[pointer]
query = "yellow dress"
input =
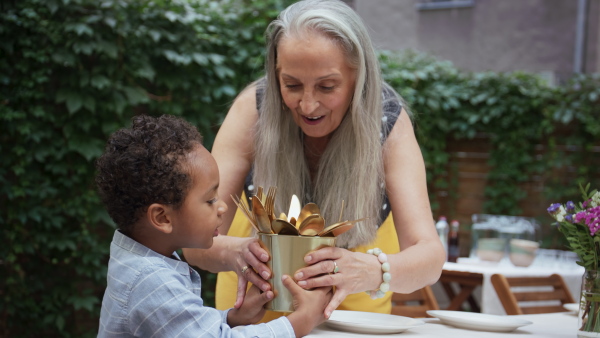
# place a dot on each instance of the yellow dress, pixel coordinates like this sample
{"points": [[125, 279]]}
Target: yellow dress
{"points": [[386, 240]]}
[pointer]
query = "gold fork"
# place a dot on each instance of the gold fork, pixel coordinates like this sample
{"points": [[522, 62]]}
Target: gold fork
{"points": [[270, 203]]}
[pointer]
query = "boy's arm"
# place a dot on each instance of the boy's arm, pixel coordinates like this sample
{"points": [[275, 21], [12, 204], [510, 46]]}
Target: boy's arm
{"points": [[161, 305]]}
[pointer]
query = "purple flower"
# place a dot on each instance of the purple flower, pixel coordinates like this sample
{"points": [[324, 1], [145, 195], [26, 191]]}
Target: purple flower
{"points": [[590, 217], [570, 206], [569, 218], [580, 216], [553, 208], [594, 226], [585, 204]]}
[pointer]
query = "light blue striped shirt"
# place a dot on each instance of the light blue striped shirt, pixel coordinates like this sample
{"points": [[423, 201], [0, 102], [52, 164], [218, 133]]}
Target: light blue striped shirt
{"points": [[150, 295]]}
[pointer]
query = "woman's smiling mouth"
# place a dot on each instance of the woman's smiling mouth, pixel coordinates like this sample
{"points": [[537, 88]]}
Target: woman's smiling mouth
{"points": [[312, 120]]}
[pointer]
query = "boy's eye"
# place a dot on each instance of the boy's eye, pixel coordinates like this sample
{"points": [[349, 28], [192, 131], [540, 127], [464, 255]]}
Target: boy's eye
{"points": [[213, 201]]}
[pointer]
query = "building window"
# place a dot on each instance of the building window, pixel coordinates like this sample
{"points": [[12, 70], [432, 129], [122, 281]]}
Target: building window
{"points": [[444, 4]]}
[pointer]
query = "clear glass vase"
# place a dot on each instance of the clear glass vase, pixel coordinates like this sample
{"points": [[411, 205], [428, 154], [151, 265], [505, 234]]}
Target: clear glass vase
{"points": [[589, 306]]}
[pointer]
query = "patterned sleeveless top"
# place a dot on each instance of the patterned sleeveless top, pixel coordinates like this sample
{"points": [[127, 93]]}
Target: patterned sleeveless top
{"points": [[392, 107]]}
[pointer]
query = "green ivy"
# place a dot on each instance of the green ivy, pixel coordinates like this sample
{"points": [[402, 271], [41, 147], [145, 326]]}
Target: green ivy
{"points": [[516, 111], [74, 71]]}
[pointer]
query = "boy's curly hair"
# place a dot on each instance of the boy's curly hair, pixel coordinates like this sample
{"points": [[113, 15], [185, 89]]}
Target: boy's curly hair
{"points": [[145, 164]]}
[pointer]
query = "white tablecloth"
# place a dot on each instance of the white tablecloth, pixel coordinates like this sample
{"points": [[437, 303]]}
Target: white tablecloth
{"points": [[489, 300], [555, 325]]}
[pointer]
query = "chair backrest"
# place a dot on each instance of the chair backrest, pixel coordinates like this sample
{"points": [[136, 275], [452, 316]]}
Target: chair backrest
{"points": [[525, 295], [414, 304]]}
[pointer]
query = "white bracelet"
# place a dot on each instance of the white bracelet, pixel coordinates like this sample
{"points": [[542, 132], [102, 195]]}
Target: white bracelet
{"points": [[387, 276]]}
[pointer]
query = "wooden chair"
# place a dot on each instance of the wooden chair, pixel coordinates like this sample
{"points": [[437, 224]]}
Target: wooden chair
{"points": [[414, 304], [542, 294]]}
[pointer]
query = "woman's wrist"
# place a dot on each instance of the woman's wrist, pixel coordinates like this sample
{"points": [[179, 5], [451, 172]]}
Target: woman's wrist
{"points": [[386, 276]]}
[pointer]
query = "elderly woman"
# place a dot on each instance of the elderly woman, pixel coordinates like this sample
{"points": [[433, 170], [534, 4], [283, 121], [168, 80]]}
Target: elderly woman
{"points": [[323, 125]]}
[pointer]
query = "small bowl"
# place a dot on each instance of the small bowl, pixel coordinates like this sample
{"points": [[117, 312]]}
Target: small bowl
{"points": [[522, 252], [491, 249]]}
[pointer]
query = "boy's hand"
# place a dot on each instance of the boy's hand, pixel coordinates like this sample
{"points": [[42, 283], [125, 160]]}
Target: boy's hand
{"points": [[252, 310], [309, 306]]}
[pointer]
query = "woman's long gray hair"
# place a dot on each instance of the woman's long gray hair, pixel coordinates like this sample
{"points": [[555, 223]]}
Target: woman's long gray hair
{"points": [[351, 169]]}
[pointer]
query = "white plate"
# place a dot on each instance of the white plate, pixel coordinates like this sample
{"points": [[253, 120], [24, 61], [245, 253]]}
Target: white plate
{"points": [[478, 321], [572, 307], [369, 322]]}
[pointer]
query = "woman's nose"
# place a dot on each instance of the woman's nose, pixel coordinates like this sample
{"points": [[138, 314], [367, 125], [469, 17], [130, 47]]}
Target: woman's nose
{"points": [[308, 104]]}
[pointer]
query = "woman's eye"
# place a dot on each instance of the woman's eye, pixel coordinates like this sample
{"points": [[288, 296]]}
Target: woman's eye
{"points": [[292, 86], [327, 88]]}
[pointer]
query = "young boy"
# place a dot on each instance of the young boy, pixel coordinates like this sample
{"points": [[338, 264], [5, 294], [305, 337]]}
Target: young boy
{"points": [[160, 186]]}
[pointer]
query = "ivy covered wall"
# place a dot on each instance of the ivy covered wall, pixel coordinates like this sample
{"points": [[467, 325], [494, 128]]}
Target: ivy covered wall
{"points": [[71, 73]]}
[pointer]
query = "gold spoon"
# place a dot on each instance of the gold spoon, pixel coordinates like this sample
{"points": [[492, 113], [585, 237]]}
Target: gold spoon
{"points": [[307, 210], [336, 229], [283, 227], [311, 225]]}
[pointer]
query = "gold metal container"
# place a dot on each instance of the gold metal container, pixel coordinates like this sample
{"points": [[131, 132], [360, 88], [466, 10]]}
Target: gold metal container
{"points": [[287, 256]]}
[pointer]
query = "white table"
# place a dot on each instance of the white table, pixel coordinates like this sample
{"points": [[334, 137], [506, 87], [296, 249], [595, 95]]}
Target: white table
{"points": [[484, 270], [553, 325]]}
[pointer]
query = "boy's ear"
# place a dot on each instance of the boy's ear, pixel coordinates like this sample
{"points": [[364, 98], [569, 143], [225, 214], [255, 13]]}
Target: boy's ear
{"points": [[160, 216]]}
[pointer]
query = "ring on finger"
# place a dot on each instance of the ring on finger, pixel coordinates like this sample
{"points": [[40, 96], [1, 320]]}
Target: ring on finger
{"points": [[336, 268], [244, 269]]}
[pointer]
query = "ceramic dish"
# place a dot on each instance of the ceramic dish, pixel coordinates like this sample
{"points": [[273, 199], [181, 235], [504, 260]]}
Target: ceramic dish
{"points": [[572, 308], [478, 321], [368, 322]]}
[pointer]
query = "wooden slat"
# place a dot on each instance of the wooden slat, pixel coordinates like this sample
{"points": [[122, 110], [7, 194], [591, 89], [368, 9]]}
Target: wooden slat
{"points": [[528, 281], [407, 297], [414, 304], [539, 296], [542, 309]]}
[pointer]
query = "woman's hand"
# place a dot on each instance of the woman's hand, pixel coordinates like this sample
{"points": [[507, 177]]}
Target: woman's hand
{"points": [[249, 262], [356, 272]]}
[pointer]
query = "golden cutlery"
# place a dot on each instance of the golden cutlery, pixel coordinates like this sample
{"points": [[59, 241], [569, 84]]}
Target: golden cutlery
{"points": [[242, 206], [261, 216], [283, 227], [311, 225], [307, 210], [338, 228]]}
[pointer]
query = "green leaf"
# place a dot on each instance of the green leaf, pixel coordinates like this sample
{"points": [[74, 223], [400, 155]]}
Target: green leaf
{"points": [[99, 81], [200, 59], [88, 148], [79, 28], [177, 58], [74, 102], [135, 95], [111, 22], [155, 35], [63, 57], [146, 71], [90, 103]]}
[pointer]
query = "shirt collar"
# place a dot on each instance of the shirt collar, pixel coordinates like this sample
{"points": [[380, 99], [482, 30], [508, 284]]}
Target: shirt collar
{"points": [[128, 244]]}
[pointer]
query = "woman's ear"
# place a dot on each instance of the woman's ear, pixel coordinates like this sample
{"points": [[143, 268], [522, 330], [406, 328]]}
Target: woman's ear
{"points": [[160, 217]]}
